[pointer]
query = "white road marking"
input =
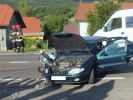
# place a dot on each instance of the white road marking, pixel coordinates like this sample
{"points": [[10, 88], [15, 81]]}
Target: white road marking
{"points": [[36, 53], [10, 79], [19, 62], [112, 78], [8, 54]]}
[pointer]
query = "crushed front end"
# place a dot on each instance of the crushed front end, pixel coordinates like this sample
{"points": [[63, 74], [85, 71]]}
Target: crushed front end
{"points": [[68, 67], [71, 61]]}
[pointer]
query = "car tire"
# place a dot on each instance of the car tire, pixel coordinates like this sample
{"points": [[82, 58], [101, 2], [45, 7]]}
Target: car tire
{"points": [[128, 60], [91, 76]]}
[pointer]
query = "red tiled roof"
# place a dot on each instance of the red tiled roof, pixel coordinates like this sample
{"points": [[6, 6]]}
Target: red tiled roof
{"points": [[127, 5], [85, 7], [6, 13], [71, 28], [32, 25]]}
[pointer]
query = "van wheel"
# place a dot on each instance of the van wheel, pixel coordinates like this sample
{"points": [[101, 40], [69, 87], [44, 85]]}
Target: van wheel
{"points": [[92, 77]]}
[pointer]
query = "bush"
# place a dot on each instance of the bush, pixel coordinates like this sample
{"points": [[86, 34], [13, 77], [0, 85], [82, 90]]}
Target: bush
{"points": [[42, 45], [33, 44]]}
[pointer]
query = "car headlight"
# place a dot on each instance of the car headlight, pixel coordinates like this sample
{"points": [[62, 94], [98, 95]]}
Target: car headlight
{"points": [[42, 59], [75, 71]]}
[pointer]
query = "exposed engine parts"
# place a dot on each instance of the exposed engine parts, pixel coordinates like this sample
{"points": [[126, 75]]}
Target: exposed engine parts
{"points": [[61, 64]]}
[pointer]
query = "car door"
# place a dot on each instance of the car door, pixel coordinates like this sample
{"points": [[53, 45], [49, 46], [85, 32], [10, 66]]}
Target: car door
{"points": [[113, 55]]}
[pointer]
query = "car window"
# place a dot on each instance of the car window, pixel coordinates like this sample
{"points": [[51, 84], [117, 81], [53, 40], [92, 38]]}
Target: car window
{"points": [[116, 47], [99, 46], [115, 23], [129, 21]]}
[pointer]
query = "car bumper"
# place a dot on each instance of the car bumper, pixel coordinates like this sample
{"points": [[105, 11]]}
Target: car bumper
{"points": [[68, 79]]}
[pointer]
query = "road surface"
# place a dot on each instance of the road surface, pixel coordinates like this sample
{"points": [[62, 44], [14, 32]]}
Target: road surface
{"points": [[19, 78]]}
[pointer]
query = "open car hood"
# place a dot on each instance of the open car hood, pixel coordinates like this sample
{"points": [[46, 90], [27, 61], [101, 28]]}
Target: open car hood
{"points": [[67, 41]]}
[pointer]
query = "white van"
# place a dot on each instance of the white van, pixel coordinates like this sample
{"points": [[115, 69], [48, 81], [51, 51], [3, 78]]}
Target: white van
{"points": [[119, 24]]}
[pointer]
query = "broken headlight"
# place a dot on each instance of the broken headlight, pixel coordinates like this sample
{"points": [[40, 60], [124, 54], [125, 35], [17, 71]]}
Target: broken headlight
{"points": [[42, 59]]}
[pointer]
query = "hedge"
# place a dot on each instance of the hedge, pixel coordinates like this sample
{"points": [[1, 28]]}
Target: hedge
{"points": [[33, 44]]}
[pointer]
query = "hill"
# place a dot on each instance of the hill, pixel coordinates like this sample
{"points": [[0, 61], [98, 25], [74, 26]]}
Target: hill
{"points": [[45, 1]]}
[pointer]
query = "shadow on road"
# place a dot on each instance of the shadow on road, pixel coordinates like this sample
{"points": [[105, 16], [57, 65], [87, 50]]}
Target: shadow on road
{"points": [[97, 92], [40, 92], [10, 87]]}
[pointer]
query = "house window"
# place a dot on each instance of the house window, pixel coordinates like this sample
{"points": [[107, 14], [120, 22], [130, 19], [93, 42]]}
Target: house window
{"points": [[129, 21], [115, 23]]}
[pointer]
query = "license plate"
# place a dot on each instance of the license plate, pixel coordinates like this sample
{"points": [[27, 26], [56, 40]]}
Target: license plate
{"points": [[58, 78]]}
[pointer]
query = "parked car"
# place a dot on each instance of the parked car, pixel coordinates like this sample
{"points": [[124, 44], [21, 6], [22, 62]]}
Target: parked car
{"points": [[74, 62], [119, 24]]}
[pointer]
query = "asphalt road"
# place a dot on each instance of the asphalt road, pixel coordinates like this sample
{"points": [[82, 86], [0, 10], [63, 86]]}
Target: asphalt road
{"points": [[19, 77]]}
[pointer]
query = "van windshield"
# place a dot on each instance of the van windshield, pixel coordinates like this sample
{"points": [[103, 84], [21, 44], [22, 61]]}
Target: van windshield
{"points": [[115, 23]]}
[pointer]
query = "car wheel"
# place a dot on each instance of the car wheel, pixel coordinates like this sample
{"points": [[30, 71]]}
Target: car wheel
{"points": [[92, 76]]}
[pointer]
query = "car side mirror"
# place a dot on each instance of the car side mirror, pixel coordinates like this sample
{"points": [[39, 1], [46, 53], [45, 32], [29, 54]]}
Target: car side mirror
{"points": [[105, 29]]}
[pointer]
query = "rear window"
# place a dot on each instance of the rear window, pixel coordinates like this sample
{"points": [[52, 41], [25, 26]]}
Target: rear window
{"points": [[129, 21]]}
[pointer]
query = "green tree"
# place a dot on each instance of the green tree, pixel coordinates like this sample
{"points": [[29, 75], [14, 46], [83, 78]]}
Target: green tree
{"points": [[57, 18], [103, 10], [24, 8], [54, 23]]}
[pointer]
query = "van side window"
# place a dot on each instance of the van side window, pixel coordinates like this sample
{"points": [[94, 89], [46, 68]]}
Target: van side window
{"points": [[129, 21], [115, 23]]}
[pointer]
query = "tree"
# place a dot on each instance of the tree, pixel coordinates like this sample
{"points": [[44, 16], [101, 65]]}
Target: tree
{"points": [[24, 8], [103, 10], [57, 18], [54, 23]]}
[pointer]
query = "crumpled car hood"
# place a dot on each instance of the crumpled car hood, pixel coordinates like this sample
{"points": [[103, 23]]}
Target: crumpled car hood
{"points": [[67, 41]]}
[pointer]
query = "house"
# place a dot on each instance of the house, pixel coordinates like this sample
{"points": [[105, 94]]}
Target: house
{"points": [[71, 28], [80, 16], [84, 8], [33, 28], [8, 17]]}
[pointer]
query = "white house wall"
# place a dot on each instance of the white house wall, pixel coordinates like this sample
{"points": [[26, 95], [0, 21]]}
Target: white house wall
{"points": [[83, 28], [3, 39]]}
